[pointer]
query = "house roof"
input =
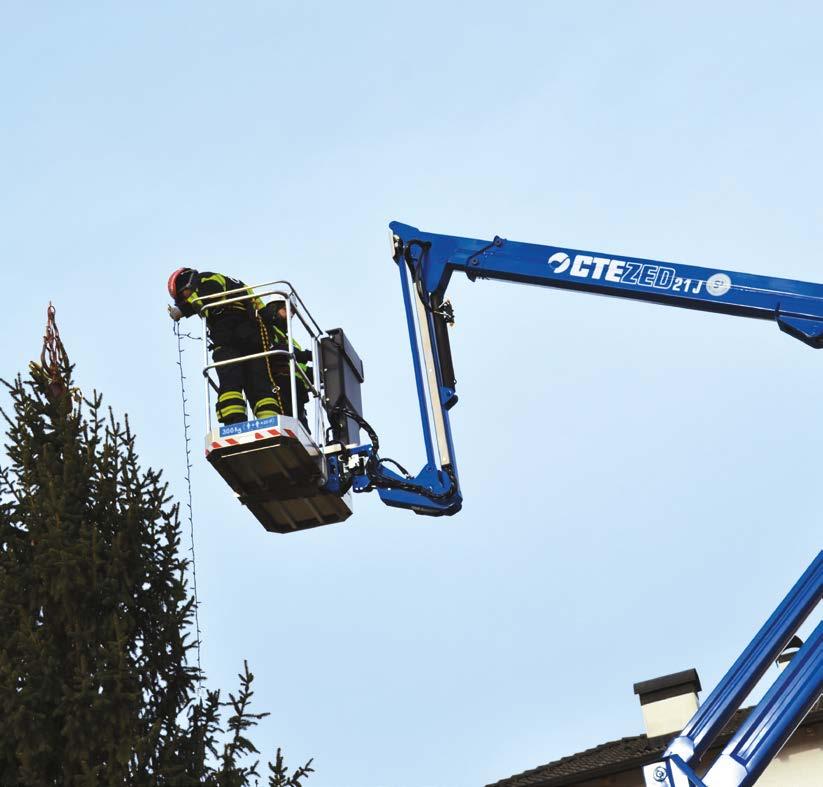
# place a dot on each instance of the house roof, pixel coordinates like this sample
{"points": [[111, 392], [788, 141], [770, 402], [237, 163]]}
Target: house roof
{"points": [[616, 756]]}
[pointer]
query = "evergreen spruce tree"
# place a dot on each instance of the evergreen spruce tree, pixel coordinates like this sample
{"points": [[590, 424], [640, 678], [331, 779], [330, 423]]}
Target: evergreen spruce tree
{"points": [[96, 684]]}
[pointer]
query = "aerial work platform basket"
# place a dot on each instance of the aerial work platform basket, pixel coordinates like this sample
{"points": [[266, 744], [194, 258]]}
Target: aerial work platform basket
{"points": [[276, 470], [278, 467]]}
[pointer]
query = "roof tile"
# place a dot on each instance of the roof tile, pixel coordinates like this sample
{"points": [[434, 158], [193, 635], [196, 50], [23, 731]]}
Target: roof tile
{"points": [[615, 756]]}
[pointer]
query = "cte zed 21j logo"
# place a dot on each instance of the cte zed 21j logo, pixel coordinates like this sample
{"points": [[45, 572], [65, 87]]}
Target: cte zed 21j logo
{"points": [[642, 274]]}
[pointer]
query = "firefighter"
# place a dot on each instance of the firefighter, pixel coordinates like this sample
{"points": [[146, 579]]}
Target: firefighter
{"points": [[235, 330], [274, 315]]}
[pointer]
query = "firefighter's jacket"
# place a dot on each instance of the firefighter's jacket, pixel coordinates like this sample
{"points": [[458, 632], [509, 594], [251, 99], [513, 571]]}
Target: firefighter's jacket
{"points": [[232, 323], [237, 323]]}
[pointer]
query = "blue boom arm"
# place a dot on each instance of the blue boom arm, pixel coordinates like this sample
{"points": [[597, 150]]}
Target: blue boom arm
{"points": [[426, 262], [772, 721]]}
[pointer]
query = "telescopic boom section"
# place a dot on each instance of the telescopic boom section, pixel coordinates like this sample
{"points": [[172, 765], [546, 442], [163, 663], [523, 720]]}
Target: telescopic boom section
{"points": [[797, 306], [426, 262]]}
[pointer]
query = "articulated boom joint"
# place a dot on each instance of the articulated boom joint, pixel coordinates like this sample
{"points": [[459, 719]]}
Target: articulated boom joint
{"points": [[671, 773]]}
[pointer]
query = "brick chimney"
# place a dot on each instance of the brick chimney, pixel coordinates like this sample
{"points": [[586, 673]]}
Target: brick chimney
{"points": [[668, 702]]}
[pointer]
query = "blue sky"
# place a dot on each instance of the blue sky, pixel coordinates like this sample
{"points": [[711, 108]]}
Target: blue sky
{"points": [[640, 482]]}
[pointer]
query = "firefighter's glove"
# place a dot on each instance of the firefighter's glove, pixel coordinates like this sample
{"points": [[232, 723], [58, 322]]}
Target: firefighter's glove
{"points": [[175, 313], [303, 356]]}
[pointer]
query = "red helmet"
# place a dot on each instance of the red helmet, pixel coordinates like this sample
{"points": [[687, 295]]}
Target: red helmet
{"points": [[181, 279]]}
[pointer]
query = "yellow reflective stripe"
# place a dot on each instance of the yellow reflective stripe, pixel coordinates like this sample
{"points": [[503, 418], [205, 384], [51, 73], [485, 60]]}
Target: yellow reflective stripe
{"points": [[265, 413], [266, 400], [221, 280], [285, 338], [194, 300], [230, 395], [232, 410]]}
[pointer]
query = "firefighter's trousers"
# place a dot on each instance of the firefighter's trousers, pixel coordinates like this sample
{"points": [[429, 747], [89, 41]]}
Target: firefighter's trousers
{"points": [[250, 377]]}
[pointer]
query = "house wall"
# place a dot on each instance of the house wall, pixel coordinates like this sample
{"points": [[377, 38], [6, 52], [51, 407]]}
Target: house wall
{"points": [[800, 763]]}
